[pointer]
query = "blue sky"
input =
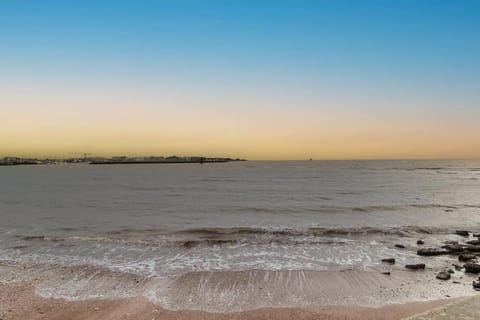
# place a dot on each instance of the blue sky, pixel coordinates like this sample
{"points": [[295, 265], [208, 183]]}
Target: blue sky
{"points": [[377, 58]]}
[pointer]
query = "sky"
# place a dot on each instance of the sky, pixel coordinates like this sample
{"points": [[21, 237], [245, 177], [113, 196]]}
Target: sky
{"points": [[253, 79]]}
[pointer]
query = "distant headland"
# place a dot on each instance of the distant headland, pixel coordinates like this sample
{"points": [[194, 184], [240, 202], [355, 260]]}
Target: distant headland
{"points": [[15, 161]]}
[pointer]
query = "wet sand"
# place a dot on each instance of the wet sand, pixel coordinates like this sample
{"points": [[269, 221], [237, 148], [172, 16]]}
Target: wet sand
{"points": [[79, 293], [19, 301]]}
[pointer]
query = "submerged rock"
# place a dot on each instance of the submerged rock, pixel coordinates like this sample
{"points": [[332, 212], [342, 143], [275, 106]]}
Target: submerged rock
{"points": [[476, 285], [443, 275], [400, 246], [420, 242], [474, 242], [463, 233], [472, 248], [466, 257], [472, 267], [389, 260], [453, 248], [432, 252], [418, 266]]}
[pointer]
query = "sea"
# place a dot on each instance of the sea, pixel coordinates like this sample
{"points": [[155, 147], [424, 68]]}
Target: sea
{"points": [[166, 220]]}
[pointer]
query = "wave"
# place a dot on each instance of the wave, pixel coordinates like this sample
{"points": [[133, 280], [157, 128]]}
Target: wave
{"points": [[341, 209], [235, 236], [234, 239], [312, 231]]}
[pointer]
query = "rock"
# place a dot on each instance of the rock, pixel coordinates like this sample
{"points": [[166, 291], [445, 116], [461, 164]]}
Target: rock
{"points": [[474, 242], [389, 260], [400, 246], [472, 267], [463, 233], [450, 271], [476, 235], [466, 257], [96, 309], [476, 285], [472, 248], [386, 273], [420, 242], [443, 275], [418, 266], [456, 282], [454, 248], [432, 252]]}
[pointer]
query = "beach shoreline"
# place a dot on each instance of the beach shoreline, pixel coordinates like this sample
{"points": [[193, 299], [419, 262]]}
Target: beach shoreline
{"points": [[19, 301], [38, 292]]}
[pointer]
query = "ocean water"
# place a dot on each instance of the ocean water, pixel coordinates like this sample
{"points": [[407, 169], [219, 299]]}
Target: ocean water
{"points": [[165, 221]]}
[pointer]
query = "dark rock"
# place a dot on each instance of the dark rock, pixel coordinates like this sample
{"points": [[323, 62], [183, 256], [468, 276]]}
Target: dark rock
{"points": [[432, 252], [466, 257], [420, 242], [456, 282], [418, 266], [472, 267], [474, 242], [454, 248], [387, 273], [443, 275], [472, 248], [476, 285], [463, 233], [476, 235], [389, 260], [400, 246], [450, 271]]}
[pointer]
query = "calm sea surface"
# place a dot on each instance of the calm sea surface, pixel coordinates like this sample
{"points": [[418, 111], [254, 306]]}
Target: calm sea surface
{"points": [[163, 220]]}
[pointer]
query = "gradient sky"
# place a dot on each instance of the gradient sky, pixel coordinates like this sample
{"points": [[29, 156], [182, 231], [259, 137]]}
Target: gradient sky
{"points": [[254, 79]]}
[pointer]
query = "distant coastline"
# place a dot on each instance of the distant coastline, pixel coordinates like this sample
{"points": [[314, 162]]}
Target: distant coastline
{"points": [[16, 161]]}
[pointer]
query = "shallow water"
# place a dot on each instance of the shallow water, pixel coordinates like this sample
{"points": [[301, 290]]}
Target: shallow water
{"points": [[168, 220]]}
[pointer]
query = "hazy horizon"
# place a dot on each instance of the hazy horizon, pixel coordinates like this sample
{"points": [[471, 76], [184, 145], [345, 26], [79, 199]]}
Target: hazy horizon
{"points": [[261, 80]]}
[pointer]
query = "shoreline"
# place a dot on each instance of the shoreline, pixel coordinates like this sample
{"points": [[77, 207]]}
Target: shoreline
{"points": [[19, 301], [35, 292]]}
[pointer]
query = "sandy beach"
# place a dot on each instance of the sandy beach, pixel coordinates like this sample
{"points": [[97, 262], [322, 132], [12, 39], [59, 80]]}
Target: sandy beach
{"points": [[35, 292], [19, 301]]}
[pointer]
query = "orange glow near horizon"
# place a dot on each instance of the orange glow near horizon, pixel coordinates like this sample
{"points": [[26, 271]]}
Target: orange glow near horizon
{"points": [[112, 127]]}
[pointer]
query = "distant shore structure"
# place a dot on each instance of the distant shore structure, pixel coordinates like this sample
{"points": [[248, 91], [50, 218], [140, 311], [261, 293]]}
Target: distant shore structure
{"points": [[16, 161]]}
